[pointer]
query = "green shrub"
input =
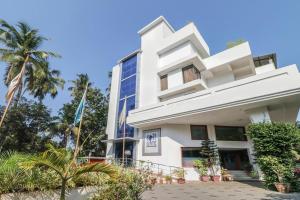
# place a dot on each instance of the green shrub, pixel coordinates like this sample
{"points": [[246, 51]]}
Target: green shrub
{"points": [[12, 177], [274, 145], [128, 185], [201, 166]]}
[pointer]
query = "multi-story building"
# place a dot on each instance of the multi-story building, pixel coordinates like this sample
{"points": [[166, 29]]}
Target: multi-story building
{"points": [[178, 94]]}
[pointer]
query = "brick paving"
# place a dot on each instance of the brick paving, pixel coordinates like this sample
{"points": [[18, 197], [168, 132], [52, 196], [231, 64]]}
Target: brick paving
{"points": [[216, 191]]}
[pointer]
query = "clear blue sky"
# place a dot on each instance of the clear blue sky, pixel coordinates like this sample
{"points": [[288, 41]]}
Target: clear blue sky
{"points": [[92, 35]]}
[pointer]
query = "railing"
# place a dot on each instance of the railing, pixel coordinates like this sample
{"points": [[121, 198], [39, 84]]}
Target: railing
{"points": [[155, 168]]}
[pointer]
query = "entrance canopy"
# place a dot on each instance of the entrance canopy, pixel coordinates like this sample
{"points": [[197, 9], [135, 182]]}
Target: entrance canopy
{"points": [[117, 140]]}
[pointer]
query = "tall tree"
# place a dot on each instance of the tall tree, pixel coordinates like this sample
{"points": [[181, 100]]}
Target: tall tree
{"points": [[26, 127], [21, 47], [94, 118]]}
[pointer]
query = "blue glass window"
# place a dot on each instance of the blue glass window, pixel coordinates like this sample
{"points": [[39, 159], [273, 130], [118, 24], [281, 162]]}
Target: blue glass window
{"points": [[130, 105], [128, 87], [129, 67]]}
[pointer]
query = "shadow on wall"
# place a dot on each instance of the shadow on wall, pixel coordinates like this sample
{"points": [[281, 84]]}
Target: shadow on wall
{"points": [[74, 194]]}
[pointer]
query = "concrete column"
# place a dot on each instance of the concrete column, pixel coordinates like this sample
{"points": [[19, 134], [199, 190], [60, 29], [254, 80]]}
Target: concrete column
{"points": [[258, 115], [211, 132]]}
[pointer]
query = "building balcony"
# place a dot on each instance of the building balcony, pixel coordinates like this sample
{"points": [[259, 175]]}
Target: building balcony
{"points": [[192, 86], [228, 103], [237, 60]]}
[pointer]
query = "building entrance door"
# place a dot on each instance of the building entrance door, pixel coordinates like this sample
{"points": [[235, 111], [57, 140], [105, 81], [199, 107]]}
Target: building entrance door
{"points": [[234, 159]]}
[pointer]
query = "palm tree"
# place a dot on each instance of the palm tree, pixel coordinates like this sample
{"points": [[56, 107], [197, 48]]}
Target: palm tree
{"points": [[62, 162], [21, 50], [78, 85], [43, 81]]}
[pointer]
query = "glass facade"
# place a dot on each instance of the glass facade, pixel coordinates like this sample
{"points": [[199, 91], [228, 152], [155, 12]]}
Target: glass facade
{"points": [[127, 89]]}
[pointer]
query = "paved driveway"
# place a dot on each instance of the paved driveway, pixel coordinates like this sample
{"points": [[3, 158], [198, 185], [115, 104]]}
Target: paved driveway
{"points": [[215, 191]]}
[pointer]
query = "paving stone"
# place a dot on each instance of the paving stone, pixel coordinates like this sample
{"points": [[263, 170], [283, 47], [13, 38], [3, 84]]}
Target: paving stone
{"points": [[220, 191]]}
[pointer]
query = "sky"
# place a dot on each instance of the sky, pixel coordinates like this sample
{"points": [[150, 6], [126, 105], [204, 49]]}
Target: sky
{"points": [[92, 35]]}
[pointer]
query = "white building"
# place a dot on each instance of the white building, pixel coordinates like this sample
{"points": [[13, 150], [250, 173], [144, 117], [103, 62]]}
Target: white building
{"points": [[178, 95]]}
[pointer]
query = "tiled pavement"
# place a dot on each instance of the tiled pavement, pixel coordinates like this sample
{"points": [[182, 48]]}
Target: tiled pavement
{"points": [[216, 191]]}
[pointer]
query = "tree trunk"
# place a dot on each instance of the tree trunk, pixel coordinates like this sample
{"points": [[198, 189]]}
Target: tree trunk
{"points": [[63, 189]]}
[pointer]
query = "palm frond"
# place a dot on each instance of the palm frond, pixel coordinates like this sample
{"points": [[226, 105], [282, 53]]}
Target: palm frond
{"points": [[96, 167]]}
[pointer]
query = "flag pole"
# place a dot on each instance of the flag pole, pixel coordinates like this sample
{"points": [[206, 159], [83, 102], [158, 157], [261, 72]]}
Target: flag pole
{"points": [[13, 94], [79, 128]]}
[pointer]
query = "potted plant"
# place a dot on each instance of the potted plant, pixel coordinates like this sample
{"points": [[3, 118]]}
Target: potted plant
{"points": [[201, 166], [168, 179], [281, 186], [210, 150], [225, 175], [180, 176], [278, 169]]}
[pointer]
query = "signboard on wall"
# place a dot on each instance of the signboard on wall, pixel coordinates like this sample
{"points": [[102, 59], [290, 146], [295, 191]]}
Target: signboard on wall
{"points": [[152, 142]]}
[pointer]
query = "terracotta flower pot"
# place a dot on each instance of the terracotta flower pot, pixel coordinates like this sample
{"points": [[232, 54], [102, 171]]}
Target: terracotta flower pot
{"points": [[216, 178], [204, 178], [283, 187], [181, 180]]}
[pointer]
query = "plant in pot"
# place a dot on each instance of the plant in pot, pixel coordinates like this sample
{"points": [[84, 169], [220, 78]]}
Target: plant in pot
{"points": [[281, 185], [278, 170], [168, 179], [210, 150], [201, 166], [225, 175], [179, 173]]}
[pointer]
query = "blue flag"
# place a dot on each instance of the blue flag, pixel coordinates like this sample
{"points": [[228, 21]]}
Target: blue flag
{"points": [[79, 111]]}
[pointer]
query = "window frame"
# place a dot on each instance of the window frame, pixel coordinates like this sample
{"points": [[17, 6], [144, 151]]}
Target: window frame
{"points": [[166, 82], [198, 74], [195, 125], [245, 139]]}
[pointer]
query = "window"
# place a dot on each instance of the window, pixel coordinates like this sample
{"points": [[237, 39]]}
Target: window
{"points": [[230, 133], [127, 88], [164, 82], [189, 154], [190, 73], [199, 132]]}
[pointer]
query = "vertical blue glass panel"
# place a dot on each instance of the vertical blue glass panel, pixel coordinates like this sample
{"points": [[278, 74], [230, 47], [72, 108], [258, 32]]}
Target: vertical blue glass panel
{"points": [[128, 87], [129, 67], [130, 105]]}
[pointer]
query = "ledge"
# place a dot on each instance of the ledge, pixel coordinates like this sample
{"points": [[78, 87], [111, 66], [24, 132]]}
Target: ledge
{"points": [[197, 84], [187, 33], [191, 59]]}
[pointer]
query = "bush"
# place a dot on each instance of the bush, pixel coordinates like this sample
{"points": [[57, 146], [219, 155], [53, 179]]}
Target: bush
{"points": [[274, 145], [129, 185], [201, 166]]}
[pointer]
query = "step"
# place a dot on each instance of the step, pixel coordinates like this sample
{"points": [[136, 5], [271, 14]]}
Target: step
{"points": [[239, 175]]}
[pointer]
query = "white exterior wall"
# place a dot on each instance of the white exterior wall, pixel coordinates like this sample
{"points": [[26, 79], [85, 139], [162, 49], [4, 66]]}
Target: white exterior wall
{"points": [[173, 137], [113, 108], [220, 78], [265, 68], [149, 80], [175, 78], [181, 51]]}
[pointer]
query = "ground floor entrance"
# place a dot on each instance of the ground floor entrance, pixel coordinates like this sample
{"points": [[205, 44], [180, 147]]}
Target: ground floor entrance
{"points": [[234, 159], [128, 153]]}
